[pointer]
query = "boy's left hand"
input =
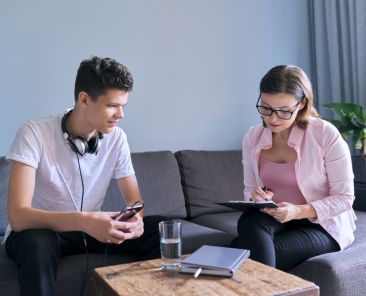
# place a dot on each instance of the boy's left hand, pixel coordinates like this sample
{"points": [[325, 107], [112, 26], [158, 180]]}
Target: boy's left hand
{"points": [[138, 229]]}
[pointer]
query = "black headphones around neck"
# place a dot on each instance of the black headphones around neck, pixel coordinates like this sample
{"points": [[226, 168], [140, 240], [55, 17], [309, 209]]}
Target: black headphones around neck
{"points": [[79, 144]]}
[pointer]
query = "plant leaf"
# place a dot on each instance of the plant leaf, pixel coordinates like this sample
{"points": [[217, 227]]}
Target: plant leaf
{"points": [[363, 134], [341, 126], [351, 123], [346, 135], [357, 121], [344, 110], [358, 144]]}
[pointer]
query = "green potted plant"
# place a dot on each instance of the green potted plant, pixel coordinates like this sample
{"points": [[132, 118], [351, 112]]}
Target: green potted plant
{"points": [[352, 126], [352, 123]]}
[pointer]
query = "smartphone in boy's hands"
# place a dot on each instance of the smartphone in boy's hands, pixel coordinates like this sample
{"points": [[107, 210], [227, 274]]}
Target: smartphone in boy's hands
{"points": [[129, 211]]}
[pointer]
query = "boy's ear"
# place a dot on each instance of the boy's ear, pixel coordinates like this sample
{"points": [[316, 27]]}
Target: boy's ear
{"points": [[83, 97]]}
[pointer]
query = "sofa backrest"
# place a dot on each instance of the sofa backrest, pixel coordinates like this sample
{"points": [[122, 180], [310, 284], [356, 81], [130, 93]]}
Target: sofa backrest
{"points": [[208, 177], [4, 177], [159, 181]]}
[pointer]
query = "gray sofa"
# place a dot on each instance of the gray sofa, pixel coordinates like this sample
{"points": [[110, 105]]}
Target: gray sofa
{"points": [[183, 186]]}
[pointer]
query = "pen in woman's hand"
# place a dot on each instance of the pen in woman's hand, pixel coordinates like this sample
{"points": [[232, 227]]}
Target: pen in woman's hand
{"points": [[266, 190]]}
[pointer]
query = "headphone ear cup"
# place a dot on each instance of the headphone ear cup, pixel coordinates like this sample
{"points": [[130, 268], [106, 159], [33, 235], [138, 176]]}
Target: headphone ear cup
{"points": [[93, 145], [81, 145], [99, 144]]}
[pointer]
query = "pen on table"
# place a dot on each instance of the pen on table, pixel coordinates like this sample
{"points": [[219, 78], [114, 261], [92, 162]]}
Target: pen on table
{"points": [[197, 273]]}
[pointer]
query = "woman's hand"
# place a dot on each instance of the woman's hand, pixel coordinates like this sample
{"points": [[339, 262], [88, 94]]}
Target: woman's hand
{"points": [[284, 212], [287, 212], [260, 195]]}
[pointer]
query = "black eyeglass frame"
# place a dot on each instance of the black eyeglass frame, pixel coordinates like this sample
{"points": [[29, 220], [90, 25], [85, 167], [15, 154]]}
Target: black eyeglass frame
{"points": [[277, 110]]}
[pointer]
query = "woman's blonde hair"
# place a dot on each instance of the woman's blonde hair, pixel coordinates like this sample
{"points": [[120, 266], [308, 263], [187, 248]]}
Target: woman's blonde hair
{"points": [[291, 80]]}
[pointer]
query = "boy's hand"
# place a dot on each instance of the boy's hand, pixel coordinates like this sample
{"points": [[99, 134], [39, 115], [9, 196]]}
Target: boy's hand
{"points": [[138, 230], [104, 228]]}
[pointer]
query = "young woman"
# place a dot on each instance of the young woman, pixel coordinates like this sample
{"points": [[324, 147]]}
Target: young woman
{"points": [[302, 163]]}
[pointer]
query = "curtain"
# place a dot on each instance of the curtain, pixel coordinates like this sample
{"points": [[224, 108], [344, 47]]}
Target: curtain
{"points": [[338, 47]]}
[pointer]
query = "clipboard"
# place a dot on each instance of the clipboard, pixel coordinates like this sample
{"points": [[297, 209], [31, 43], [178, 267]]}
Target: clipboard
{"points": [[243, 205]]}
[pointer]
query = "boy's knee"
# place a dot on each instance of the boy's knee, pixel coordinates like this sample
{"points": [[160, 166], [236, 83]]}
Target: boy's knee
{"points": [[37, 243]]}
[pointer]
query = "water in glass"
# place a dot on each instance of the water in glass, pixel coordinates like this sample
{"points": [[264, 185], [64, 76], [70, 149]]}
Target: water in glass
{"points": [[171, 252]]}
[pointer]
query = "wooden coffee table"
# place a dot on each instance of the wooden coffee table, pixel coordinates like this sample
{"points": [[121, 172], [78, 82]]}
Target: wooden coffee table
{"points": [[147, 278]]}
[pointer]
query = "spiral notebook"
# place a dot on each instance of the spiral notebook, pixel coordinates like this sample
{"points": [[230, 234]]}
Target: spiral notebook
{"points": [[213, 260]]}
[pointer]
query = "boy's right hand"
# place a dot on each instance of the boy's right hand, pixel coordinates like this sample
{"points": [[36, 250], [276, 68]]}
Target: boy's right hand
{"points": [[105, 229], [260, 195]]}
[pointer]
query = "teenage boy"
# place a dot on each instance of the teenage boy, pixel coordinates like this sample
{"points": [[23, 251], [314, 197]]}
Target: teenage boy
{"points": [[60, 170]]}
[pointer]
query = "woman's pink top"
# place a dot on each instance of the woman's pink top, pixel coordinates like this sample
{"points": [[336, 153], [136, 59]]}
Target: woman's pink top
{"points": [[281, 179], [323, 170]]}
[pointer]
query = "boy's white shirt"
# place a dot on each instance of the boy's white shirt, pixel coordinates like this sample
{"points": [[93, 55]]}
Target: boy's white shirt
{"points": [[41, 145]]}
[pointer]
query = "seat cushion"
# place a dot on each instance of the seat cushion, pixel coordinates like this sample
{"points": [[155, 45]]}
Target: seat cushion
{"points": [[194, 236], [159, 180], [226, 222], [208, 177]]}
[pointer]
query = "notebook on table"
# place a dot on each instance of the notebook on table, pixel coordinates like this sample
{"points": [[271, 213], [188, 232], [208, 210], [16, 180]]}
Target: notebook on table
{"points": [[243, 205], [213, 260]]}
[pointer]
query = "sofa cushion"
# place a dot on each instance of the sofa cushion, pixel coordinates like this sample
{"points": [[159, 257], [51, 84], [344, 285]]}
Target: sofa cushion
{"points": [[4, 177], [208, 177], [227, 222], [194, 236], [339, 273], [158, 176]]}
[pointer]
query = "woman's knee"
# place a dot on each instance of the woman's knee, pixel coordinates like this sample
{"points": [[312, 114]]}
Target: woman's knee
{"points": [[253, 219]]}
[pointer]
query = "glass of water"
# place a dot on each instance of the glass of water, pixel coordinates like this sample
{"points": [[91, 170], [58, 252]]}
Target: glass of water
{"points": [[170, 244]]}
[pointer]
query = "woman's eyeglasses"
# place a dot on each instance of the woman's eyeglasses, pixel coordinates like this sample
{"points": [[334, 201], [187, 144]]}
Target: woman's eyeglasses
{"points": [[282, 114]]}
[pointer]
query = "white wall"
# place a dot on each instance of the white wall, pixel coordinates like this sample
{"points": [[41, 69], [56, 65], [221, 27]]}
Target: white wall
{"points": [[196, 63]]}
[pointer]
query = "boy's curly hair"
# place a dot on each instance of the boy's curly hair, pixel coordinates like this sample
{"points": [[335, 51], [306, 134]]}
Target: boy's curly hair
{"points": [[96, 75]]}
